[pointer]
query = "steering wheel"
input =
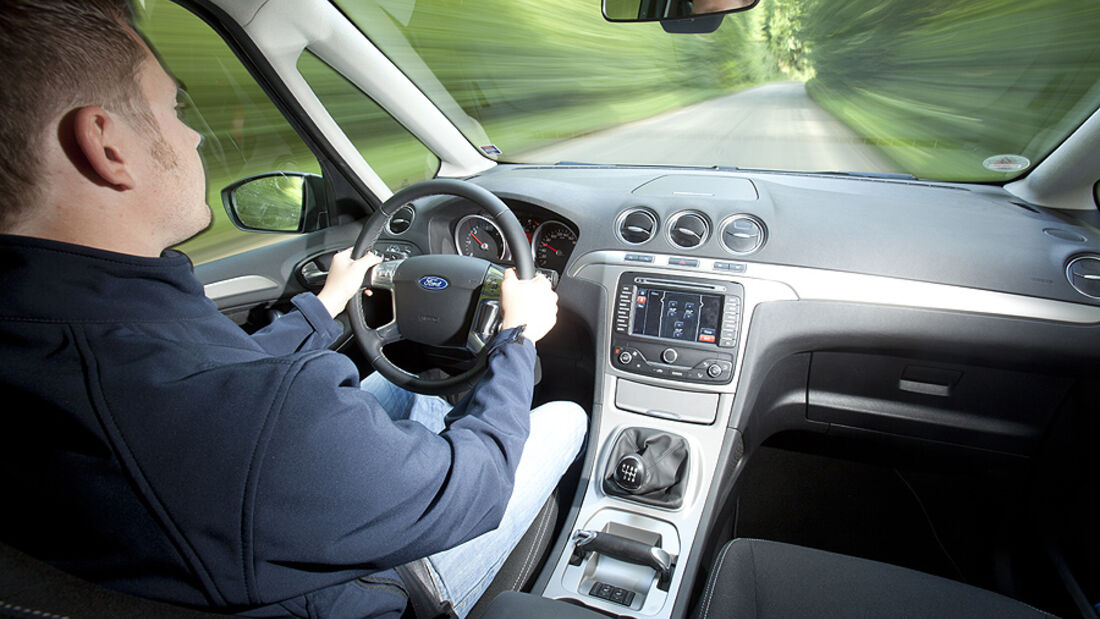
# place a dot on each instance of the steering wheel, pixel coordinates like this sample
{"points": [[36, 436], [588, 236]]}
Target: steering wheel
{"points": [[448, 301]]}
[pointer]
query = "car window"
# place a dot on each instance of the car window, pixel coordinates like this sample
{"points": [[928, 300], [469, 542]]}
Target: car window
{"points": [[394, 154], [243, 132], [972, 90]]}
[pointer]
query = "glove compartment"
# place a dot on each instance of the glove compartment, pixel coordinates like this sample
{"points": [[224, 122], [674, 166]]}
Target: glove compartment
{"points": [[975, 406]]}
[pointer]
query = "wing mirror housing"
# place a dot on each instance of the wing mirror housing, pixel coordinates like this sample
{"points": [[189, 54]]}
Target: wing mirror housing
{"points": [[676, 16], [278, 202]]}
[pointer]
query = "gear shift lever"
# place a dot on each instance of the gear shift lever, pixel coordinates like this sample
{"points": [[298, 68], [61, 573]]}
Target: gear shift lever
{"points": [[631, 473], [648, 466]]}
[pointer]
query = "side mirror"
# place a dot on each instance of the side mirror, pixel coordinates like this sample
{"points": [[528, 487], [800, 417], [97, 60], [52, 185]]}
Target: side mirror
{"points": [[274, 201], [664, 10]]}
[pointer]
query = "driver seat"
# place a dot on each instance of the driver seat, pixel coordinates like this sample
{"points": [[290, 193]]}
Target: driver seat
{"points": [[32, 588]]}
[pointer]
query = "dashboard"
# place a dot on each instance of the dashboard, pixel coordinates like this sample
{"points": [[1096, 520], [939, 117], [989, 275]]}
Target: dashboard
{"points": [[941, 280], [938, 279]]}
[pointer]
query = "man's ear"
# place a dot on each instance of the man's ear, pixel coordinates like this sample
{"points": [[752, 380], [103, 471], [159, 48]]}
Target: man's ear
{"points": [[102, 140]]}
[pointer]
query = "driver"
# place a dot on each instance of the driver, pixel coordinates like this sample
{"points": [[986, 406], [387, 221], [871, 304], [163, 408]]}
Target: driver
{"points": [[150, 445]]}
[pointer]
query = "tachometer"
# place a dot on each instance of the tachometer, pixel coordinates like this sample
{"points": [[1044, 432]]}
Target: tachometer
{"points": [[552, 243], [478, 236]]}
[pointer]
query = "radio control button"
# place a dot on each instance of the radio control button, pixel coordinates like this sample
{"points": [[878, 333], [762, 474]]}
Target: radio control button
{"points": [[669, 355]]}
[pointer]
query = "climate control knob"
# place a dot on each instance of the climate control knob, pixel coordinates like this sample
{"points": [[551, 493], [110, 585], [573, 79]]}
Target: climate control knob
{"points": [[625, 357], [714, 370]]}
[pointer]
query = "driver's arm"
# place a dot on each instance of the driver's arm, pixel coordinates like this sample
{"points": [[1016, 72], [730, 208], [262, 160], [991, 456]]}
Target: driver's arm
{"points": [[531, 303], [345, 279], [312, 327]]}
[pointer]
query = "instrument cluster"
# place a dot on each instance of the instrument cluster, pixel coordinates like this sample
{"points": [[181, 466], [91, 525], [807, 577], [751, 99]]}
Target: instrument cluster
{"points": [[551, 241]]}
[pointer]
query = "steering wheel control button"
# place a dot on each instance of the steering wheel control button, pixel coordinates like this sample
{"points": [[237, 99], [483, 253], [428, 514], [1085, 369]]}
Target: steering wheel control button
{"points": [[396, 250], [669, 355], [491, 287], [630, 473]]}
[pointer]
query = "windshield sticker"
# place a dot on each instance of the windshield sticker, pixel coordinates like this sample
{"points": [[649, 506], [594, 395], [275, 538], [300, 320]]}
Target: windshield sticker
{"points": [[491, 150], [1006, 163]]}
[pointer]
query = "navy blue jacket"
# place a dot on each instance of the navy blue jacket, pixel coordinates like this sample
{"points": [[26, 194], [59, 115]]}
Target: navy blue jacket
{"points": [[147, 443]]}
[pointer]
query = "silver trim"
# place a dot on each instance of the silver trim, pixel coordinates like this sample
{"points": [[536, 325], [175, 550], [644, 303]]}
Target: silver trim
{"points": [[732, 218], [826, 285], [630, 211], [1090, 276], [246, 284], [504, 250], [676, 217]]}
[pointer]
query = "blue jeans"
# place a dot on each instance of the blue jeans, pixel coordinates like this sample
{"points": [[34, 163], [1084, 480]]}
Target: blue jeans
{"points": [[461, 574]]}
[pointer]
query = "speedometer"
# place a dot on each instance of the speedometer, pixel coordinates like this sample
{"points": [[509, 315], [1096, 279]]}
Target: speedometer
{"points": [[478, 236], [551, 244]]}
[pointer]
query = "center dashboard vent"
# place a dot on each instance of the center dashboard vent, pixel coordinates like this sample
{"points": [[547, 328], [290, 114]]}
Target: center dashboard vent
{"points": [[688, 230], [637, 226]]}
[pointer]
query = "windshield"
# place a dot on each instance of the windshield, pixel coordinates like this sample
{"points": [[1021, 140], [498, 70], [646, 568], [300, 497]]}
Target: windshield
{"points": [[958, 90]]}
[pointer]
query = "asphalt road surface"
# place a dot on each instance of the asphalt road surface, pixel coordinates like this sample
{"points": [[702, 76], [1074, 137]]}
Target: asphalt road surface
{"points": [[774, 126]]}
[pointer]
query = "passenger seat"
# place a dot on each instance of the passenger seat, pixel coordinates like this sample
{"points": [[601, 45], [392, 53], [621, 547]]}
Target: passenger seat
{"points": [[758, 578]]}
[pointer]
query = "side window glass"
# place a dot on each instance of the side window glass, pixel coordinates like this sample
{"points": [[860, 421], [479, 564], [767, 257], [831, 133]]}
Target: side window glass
{"points": [[243, 132], [394, 153]]}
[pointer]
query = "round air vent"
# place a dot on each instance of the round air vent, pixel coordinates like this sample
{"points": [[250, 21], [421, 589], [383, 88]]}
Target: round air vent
{"points": [[743, 234], [401, 220], [637, 226], [688, 230], [1083, 273]]}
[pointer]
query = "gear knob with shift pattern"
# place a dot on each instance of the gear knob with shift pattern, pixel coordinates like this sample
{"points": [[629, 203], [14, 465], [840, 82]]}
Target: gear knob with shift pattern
{"points": [[648, 466]]}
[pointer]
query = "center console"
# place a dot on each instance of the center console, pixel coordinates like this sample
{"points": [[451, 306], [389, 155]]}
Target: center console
{"points": [[670, 345]]}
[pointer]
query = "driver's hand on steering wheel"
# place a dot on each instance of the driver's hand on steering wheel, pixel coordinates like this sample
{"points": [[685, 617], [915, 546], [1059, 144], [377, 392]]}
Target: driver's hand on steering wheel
{"points": [[345, 278], [530, 302]]}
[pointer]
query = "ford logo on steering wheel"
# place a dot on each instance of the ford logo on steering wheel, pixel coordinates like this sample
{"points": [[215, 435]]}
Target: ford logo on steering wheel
{"points": [[433, 282]]}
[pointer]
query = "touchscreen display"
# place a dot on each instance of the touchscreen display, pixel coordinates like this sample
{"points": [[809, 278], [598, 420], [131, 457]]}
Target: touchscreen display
{"points": [[675, 315]]}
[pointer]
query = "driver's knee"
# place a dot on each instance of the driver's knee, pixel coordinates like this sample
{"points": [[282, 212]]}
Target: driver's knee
{"points": [[559, 428]]}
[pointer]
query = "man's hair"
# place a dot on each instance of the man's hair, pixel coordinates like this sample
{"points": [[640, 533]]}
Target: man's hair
{"points": [[56, 56]]}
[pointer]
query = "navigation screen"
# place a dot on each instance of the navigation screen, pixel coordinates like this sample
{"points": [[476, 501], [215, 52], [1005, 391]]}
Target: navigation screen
{"points": [[685, 316]]}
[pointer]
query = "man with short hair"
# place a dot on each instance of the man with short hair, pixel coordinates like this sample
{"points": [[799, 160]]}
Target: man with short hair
{"points": [[150, 445]]}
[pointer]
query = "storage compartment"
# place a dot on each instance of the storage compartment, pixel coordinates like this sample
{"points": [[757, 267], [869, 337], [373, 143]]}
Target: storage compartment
{"points": [[970, 405], [676, 404]]}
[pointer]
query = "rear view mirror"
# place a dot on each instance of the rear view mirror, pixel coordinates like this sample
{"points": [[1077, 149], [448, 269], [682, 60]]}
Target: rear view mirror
{"points": [[274, 201], [662, 10]]}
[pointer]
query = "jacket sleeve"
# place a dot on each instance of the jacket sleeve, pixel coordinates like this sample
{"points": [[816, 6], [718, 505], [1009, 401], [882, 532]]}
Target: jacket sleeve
{"points": [[340, 486], [308, 327]]}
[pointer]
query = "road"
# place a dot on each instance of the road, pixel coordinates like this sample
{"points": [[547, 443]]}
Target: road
{"points": [[774, 126]]}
